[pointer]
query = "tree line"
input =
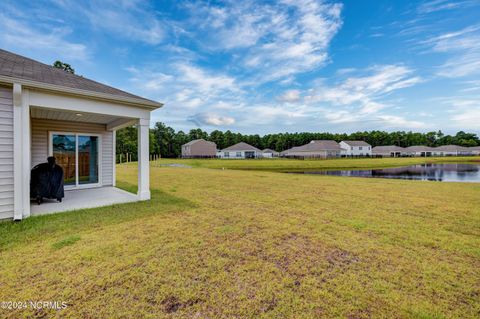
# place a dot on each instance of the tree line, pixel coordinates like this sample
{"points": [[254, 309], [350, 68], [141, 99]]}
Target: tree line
{"points": [[167, 142]]}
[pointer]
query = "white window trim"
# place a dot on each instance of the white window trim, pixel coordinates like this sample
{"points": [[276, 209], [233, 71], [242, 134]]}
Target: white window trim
{"points": [[77, 184]]}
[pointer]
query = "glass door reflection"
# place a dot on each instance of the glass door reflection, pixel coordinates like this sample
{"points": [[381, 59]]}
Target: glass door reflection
{"points": [[64, 149], [87, 159]]}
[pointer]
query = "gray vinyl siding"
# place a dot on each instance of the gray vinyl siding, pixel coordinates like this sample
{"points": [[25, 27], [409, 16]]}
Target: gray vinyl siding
{"points": [[40, 132], [6, 152]]}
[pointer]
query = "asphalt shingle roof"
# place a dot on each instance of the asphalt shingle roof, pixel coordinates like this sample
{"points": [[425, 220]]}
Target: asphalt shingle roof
{"points": [[20, 67], [241, 147], [318, 145]]}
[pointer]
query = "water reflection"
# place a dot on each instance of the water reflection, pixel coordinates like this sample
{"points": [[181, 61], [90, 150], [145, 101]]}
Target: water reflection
{"points": [[429, 172]]}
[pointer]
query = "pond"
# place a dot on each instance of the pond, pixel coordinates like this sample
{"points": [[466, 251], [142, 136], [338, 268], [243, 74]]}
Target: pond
{"points": [[425, 172]]}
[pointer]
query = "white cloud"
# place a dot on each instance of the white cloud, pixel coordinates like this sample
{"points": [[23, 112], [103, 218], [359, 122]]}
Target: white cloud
{"points": [[279, 40], [465, 112], [394, 121], [204, 81], [129, 19], [363, 90], [360, 99], [464, 49], [212, 119], [440, 5], [290, 96], [468, 118], [52, 43]]}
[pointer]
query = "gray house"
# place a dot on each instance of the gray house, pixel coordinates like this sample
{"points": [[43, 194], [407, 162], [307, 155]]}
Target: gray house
{"points": [[419, 150], [452, 150], [475, 150], [388, 151], [315, 149], [199, 149]]}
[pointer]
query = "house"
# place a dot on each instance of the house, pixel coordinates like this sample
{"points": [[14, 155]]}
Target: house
{"points": [[240, 151], [315, 149], [356, 148], [475, 150], [199, 149], [419, 150], [46, 111], [388, 151], [452, 150], [268, 153]]}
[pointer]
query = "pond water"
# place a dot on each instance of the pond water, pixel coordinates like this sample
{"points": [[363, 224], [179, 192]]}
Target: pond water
{"points": [[426, 172]]}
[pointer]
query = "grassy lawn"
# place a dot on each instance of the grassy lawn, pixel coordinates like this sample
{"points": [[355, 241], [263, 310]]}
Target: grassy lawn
{"points": [[254, 244], [283, 165]]}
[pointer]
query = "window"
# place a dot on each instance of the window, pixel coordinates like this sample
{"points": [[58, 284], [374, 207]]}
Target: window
{"points": [[79, 157], [360, 148], [226, 154], [239, 154]]}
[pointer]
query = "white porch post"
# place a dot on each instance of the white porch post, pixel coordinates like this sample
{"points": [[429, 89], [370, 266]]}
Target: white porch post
{"points": [[21, 152], [143, 162], [114, 168]]}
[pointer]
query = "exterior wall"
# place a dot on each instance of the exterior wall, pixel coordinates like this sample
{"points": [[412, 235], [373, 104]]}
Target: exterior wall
{"points": [[267, 155], [318, 154], [236, 154], [355, 150], [199, 149], [6, 153], [40, 136]]}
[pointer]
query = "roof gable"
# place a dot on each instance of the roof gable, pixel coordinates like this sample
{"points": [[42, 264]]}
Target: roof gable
{"points": [[242, 146]]}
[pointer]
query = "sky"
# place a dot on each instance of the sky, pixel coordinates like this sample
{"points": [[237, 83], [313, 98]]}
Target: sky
{"points": [[267, 67]]}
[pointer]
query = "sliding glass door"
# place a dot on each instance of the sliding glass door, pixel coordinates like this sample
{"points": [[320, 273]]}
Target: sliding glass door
{"points": [[79, 156]]}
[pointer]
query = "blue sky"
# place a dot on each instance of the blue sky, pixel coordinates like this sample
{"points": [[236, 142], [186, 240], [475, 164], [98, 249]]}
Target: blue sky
{"points": [[266, 67]]}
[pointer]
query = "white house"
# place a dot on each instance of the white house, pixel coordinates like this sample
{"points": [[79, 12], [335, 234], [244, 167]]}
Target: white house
{"points": [[46, 111], [452, 150], [475, 150], [268, 153], [356, 148], [240, 151], [419, 150]]}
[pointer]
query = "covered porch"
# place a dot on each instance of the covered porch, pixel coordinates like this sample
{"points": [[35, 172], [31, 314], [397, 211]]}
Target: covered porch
{"points": [[81, 135]]}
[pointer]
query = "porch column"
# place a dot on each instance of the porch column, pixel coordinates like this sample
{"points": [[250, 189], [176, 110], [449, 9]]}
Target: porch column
{"points": [[21, 152], [143, 162]]}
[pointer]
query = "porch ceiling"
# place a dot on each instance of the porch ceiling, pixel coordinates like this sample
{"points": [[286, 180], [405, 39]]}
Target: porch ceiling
{"points": [[71, 116]]}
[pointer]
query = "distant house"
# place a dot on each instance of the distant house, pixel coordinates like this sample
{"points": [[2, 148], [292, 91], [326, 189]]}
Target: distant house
{"points": [[199, 149], [388, 151], [356, 148], [268, 153], [240, 151], [475, 150], [419, 150], [452, 150], [315, 149]]}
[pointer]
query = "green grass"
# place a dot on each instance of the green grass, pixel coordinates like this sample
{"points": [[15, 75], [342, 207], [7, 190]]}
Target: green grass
{"points": [[254, 244], [68, 241], [285, 165]]}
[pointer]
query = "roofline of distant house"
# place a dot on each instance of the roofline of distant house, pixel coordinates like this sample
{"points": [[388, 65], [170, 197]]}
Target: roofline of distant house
{"points": [[139, 102]]}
